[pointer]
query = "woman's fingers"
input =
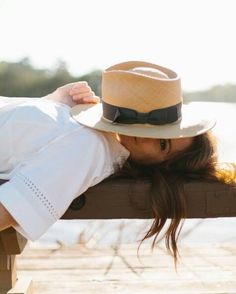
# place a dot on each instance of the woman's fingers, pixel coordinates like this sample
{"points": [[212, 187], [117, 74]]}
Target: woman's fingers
{"points": [[87, 99], [80, 87], [82, 93], [94, 100]]}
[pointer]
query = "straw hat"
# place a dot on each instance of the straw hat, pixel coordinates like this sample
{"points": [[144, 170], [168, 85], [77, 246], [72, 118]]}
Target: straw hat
{"points": [[143, 100]]}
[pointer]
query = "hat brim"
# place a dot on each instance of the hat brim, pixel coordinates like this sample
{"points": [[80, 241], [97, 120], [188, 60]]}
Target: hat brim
{"points": [[191, 124]]}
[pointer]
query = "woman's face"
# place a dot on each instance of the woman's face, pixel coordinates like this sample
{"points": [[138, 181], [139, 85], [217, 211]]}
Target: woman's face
{"points": [[152, 151]]}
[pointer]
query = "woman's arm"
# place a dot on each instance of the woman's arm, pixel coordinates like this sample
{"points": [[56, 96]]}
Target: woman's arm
{"points": [[75, 161], [69, 94], [73, 94], [6, 220]]}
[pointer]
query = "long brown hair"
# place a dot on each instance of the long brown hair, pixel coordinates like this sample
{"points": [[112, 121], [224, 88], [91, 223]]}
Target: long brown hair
{"points": [[199, 161]]}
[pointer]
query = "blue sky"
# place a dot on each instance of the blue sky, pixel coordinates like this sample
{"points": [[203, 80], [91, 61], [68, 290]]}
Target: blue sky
{"points": [[195, 38]]}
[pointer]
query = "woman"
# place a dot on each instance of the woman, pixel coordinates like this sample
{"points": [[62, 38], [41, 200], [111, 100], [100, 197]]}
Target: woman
{"points": [[141, 118], [49, 158], [168, 142]]}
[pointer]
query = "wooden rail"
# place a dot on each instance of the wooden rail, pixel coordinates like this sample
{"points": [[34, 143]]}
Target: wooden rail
{"points": [[119, 198], [116, 199]]}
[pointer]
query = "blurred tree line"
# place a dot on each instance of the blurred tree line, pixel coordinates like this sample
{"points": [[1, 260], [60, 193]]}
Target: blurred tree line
{"points": [[21, 79], [218, 93]]}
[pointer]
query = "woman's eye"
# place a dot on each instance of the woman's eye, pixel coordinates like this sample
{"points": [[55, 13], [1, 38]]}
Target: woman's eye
{"points": [[163, 144]]}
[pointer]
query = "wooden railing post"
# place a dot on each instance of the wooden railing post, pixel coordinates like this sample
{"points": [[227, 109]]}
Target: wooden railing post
{"points": [[12, 244]]}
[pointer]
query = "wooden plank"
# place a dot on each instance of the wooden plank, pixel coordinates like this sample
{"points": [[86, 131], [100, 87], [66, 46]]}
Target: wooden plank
{"points": [[7, 272], [119, 198], [208, 269], [11, 242], [23, 286], [7, 262]]}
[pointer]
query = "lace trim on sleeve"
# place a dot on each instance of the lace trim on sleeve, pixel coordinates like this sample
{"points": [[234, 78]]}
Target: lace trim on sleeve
{"points": [[40, 195]]}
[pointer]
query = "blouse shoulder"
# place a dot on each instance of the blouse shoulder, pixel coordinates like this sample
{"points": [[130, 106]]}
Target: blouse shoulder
{"points": [[117, 152]]}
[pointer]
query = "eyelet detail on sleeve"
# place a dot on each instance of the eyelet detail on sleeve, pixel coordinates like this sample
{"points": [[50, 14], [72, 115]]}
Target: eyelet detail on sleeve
{"points": [[40, 195]]}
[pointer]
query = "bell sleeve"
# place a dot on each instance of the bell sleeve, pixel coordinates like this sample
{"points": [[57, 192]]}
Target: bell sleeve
{"points": [[44, 185]]}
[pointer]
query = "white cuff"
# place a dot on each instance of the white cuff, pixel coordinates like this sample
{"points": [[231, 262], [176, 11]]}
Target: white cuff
{"points": [[29, 222]]}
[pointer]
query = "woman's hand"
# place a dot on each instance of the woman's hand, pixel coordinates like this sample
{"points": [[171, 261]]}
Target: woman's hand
{"points": [[73, 94]]}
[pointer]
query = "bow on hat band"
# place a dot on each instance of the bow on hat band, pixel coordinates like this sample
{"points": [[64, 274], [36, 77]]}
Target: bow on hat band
{"points": [[129, 116]]}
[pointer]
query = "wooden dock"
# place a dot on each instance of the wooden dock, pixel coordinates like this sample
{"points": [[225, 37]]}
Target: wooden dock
{"points": [[79, 269]]}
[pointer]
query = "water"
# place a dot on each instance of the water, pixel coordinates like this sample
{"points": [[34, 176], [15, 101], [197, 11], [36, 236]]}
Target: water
{"points": [[194, 231], [225, 129]]}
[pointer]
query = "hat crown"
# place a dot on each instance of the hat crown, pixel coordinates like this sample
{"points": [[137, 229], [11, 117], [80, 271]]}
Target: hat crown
{"points": [[141, 86]]}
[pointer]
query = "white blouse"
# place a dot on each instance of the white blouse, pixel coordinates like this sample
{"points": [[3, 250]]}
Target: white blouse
{"points": [[49, 160]]}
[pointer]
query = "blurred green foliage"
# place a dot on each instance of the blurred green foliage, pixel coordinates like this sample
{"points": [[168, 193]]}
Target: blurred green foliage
{"points": [[21, 79], [218, 93]]}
